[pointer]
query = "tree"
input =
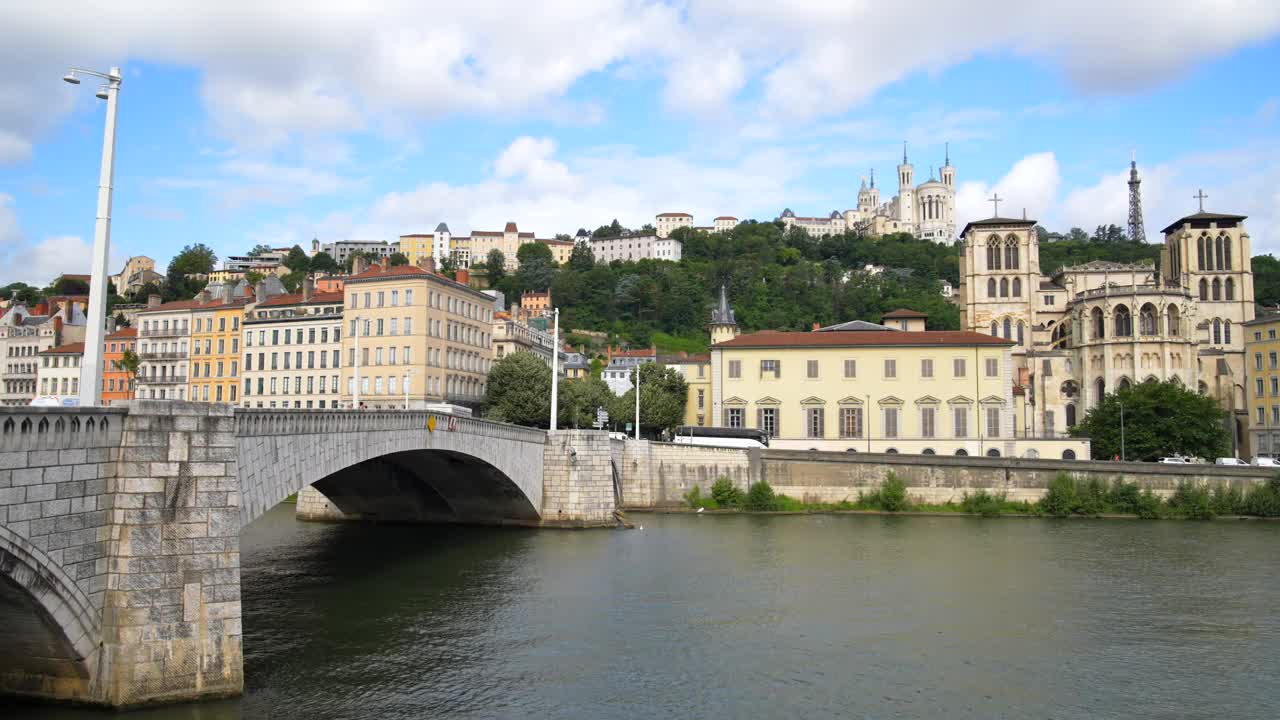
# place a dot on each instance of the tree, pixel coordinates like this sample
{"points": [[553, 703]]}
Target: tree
{"points": [[323, 262], [297, 261], [448, 267], [21, 291], [397, 259], [537, 267], [130, 362], [563, 236], [253, 277], [259, 249], [293, 281], [68, 286], [579, 400], [1160, 419], [495, 266], [1266, 280], [582, 258], [196, 259], [121, 321], [519, 390], [663, 393], [648, 228]]}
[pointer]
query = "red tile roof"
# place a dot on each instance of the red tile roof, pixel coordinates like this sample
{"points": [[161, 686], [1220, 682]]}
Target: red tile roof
{"points": [[320, 298], [123, 334], [674, 215], [880, 338], [904, 313], [726, 217], [377, 271], [511, 227], [68, 349]]}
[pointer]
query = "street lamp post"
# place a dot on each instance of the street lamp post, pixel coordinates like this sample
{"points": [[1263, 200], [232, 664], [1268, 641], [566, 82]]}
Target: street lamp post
{"points": [[91, 369], [1121, 430], [555, 369], [408, 373], [355, 386]]}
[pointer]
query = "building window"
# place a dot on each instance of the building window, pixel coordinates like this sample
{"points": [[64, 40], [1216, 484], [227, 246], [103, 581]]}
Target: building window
{"points": [[927, 422], [891, 368], [958, 367], [1257, 361], [1262, 416], [733, 417], [993, 422], [770, 367], [993, 367], [851, 368], [851, 422], [891, 422], [960, 421], [1049, 419], [1258, 385], [1275, 414], [815, 421], [702, 397], [1271, 360], [926, 368], [767, 420], [811, 369]]}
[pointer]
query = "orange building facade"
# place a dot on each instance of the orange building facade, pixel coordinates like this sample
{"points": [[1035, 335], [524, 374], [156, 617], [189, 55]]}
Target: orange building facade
{"points": [[117, 384]]}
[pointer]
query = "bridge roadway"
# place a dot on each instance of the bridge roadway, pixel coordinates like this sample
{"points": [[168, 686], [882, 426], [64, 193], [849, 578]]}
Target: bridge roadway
{"points": [[119, 527]]}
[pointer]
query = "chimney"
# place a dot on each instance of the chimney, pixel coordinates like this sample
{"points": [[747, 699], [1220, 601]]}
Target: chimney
{"points": [[427, 263], [463, 276], [260, 291], [153, 301], [111, 324], [308, 287], [359, 264]]}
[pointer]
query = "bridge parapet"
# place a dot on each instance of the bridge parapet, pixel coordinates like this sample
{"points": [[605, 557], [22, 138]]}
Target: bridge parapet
{"points": [[58, 428], [253, 422]]}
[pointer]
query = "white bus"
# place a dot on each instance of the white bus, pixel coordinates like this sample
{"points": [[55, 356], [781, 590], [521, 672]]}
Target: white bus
{"points": [[721, 437]]}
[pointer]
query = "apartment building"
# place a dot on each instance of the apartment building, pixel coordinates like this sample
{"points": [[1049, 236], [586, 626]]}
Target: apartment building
{"points": [[696, 370], [1262, 357], [215, 351], [417, 247], [640, 246], [670, 221], [511, 336], [117, 383], [292, 351], [24, 334], [341, 250], [622, 364], [164, 337], [59, 372], [413, 336]]}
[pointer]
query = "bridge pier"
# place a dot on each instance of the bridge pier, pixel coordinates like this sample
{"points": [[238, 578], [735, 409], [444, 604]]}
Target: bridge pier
{"points": [[577, 480]]}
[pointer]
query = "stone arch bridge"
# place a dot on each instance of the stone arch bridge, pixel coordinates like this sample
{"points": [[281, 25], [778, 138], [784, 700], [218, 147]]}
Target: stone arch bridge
{"points": [[119, 527]]}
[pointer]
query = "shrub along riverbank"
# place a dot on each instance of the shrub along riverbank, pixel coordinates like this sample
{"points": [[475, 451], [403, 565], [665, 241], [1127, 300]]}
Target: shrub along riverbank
{"points": [[1065, 497]]}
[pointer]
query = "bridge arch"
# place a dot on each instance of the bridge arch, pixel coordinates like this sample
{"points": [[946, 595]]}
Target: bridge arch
{"points": [[391, 465], [48, 626]]}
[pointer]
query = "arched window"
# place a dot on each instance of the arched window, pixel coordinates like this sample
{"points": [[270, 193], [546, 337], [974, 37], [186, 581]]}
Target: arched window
{"points": [[1217, 331], [928, 451], [1017, 287], [1204, 289], [1011, 254], [1123, 384], [1171, 323], [1226, 332], [1123, 322], [1217, 254], [1008, 326], [1071, 415], [1200, 253], [1068, 454], [1021, 332], [1099, 325], [1004, 287], [1147, 320], [1099, 389], [995, 329], [1226, 252], [993, 253], [1017, 254], [991, 287], [1217, 289], [993, 453], [962, 452], [1229, 289]]}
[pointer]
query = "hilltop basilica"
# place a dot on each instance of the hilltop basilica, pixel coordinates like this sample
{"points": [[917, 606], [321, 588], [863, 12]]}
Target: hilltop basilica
{"points": [[927, 210], [1091, 329]]}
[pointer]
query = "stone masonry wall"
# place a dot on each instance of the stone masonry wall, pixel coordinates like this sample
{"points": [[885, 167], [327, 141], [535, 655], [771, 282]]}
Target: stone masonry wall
{"points": [[577, 480], [314, 506], [171, 623], [659, 474]]}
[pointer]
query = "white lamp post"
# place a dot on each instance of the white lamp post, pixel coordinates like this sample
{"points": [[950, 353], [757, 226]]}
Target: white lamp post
{"points": [[555, 369], [408, 373], [91, 369], [637, 402], [355, 386]]}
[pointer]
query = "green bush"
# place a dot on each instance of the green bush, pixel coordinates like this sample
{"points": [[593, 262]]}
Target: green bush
{"points": [[788, 504], [1192, 501], [1124, 497], [1060, 499], [725, 494], [1150, 506], [891, 496], [1227, 500], [696, 500], [1264, 500], [760, 498], [983, 503]]}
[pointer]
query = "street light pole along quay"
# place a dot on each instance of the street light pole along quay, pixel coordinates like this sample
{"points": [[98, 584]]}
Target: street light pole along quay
{"points": [[91, 370]]}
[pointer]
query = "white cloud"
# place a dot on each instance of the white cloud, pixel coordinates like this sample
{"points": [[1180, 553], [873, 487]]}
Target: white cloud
{"points": [[273, 72], [1032, 183], [39, 263]]}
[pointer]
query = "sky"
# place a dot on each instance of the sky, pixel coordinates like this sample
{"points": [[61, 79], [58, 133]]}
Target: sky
{"points": [[246, 122]]}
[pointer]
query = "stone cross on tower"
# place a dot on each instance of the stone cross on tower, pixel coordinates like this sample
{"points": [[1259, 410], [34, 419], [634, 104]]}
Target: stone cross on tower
{"points": [[995, 202], [1200, 196]]}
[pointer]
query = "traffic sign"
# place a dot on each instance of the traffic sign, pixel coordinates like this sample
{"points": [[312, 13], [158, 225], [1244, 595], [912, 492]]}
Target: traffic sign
{"points": [[431, 423]]}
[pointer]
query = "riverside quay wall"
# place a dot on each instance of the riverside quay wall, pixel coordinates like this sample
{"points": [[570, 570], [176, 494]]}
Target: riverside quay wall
{"points": [[657, 475]]}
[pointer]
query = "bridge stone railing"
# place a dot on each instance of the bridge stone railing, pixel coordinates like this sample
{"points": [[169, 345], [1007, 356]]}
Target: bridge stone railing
{"points": [[57, 428], [254, 422]]}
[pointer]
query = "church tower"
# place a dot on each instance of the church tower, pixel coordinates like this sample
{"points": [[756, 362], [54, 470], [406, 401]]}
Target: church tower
{"points": [[948, 173], [867, 196], [723, 326], [906, 189]]}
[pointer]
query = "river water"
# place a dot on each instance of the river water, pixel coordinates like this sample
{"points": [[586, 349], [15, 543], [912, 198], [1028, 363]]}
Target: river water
{"points": [[814, 616]]}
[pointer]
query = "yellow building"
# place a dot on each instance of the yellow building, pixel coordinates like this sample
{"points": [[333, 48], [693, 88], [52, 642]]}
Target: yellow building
{"points": [[560, 249], [1262, 355], [417, 328], [416, 247], [215, 351], [696, 370]]}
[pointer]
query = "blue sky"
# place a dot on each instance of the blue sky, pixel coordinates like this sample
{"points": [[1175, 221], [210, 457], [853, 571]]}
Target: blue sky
{"points": [[255, 124]]}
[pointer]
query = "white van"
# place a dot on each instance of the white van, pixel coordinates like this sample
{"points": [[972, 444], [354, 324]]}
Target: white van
{"points": [[1229, 461], [1265, 461]]}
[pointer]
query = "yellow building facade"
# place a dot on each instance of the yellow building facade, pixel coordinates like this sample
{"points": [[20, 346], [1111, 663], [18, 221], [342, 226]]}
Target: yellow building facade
{"points": [[416, 247], [414, 336], [696, 370], [889, 391], [1262, 358], [215, 352]]}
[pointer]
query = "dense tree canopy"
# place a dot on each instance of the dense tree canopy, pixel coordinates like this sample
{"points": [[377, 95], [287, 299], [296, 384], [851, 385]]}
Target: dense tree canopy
{"points": [[397, 259], [1160, 419], [662, 398], [297, 260], [323, 262], [519, 390]]}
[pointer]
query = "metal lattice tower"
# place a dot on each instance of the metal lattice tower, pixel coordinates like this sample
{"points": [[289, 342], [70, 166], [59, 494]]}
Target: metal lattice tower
{"points": [[1137, 230]]}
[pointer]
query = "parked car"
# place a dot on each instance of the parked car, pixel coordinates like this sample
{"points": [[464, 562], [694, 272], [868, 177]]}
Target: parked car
{"points": [[1264, 461], [1174, 460], [1230, 461]]}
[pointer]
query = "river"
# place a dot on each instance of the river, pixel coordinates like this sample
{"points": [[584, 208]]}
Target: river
{"points": [[814, 616]]}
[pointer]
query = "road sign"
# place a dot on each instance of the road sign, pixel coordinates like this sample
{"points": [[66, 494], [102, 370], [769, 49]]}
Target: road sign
{"points": [[628, 427], [431, 423], [453, 423]]}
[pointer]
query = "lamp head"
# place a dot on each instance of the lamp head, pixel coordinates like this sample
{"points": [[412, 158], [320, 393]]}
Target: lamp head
{"points": [[71, 78], [102, 93]]}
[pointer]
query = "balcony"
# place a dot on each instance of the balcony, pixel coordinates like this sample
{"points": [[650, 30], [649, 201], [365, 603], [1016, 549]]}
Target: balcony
{"points": [[171, 355], [165, 332], [165, 380]]}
